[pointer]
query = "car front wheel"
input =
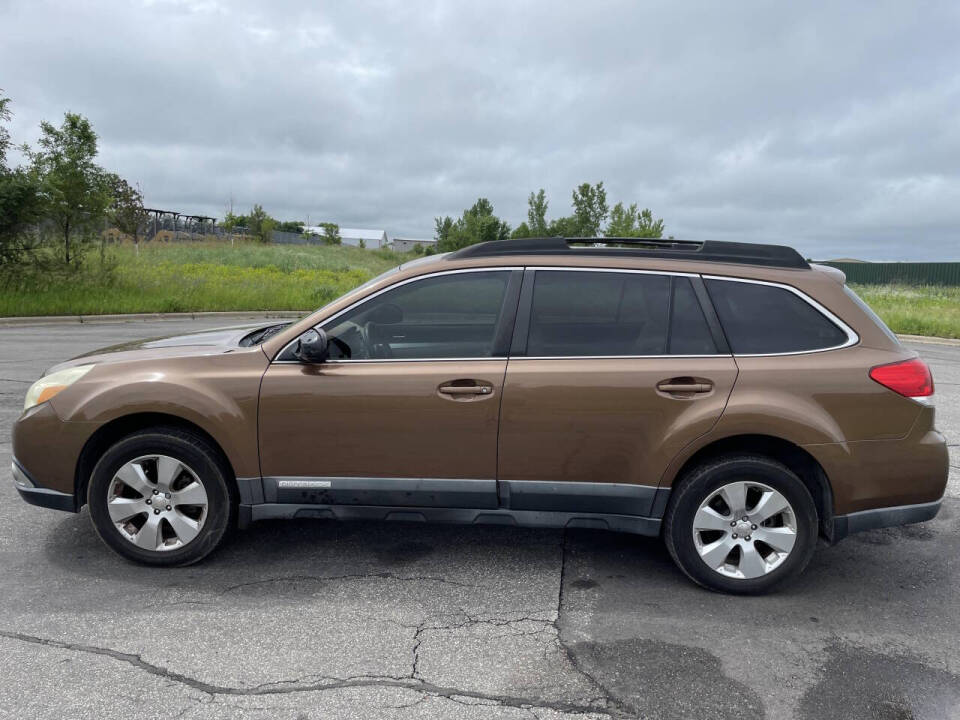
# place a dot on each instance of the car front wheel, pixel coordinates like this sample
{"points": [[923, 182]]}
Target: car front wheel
{"points": [[741, 524], [161, 497]]}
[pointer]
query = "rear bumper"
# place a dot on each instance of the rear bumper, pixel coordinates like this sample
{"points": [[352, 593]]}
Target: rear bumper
{"points": [[844, 525], [871, 475], [40, 496]]}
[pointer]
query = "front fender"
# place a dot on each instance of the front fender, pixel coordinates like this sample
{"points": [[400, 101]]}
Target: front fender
{"points": [[218, 393]]}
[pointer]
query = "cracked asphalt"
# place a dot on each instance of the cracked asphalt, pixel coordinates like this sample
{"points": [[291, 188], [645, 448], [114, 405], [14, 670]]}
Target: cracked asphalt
{"points": [[314, 619]]}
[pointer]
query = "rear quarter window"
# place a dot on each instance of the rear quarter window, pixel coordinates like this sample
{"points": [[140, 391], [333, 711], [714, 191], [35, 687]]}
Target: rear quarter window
{"points": [[871, 314], [765, 319]]}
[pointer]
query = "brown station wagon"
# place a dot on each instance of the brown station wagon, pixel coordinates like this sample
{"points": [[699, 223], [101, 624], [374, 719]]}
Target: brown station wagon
{"points": [[729, 397]]}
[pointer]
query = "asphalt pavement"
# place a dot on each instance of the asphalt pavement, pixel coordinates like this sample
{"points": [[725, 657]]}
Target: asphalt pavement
{"points": [[315, 619]]}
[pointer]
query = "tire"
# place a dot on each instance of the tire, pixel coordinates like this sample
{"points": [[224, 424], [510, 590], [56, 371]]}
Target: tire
{"points": [[150, 511], [699, 504]]}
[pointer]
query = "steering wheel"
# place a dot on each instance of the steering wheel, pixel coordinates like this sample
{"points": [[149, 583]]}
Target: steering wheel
{"points": [[341, 346], [379, 350]]}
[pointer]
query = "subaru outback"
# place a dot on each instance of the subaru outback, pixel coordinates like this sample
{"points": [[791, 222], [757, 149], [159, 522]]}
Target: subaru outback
{"points": [[730, 398]]}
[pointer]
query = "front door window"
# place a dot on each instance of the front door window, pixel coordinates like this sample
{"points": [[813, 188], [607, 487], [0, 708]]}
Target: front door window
{"points": [[446, 316]]}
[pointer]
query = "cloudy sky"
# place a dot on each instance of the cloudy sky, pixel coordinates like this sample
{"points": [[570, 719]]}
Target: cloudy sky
{"points": [[831, 126]]}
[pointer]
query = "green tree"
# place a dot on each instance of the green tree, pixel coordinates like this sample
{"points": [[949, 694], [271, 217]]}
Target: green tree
{"points": [[442, 229], [291, 226], [21, 207], [331, 234], [631, 222], [521, 231], [567, 226], [536, 223], [537, 213], [5, 116], [477, 224], [20, 200], [126, 211], [75, 190], [589, 209], [260, 224], [231, 222]]}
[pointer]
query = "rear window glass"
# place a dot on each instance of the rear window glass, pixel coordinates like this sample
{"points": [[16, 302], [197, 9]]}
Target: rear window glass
{"points": [[577, 314], [763, 319]]}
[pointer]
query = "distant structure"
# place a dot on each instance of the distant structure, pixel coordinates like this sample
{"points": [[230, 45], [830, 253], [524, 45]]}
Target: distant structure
{"points": [[170, 226], [357, 237], [408, 244]]}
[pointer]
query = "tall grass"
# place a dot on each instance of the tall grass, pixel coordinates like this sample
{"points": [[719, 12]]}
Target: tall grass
{"points": [[196, 277], [923, 310]]}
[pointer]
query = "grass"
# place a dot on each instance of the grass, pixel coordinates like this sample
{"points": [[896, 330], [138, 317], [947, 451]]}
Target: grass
{"points": [[217, 276], [920, 310], [196, 277]]}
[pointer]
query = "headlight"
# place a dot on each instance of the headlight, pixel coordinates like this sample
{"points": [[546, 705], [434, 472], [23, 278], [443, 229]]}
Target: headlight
{"points": [[46, 387]]}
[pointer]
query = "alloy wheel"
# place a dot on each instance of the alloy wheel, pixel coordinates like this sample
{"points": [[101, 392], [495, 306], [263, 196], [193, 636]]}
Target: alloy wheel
{"points": [[744, 530], [157, 503]]}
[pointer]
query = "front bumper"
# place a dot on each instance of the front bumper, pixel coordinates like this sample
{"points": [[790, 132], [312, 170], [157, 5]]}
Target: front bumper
{"points": [[844, 525], [36, 495]]}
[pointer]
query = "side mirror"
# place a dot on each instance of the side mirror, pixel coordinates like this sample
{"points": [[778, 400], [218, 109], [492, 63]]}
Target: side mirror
{"points": [[312, 347]]}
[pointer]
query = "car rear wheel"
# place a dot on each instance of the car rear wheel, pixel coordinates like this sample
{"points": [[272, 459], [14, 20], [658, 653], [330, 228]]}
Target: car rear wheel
{"points": [[161, 497], [741, 524]]}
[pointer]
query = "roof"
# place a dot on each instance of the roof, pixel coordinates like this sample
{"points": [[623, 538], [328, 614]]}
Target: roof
{"points": [[704, 251], [361, 233], [430, 241]]}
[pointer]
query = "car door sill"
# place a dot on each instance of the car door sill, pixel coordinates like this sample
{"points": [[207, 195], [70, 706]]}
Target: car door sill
{"points": [[577, 498], [457, 516]]}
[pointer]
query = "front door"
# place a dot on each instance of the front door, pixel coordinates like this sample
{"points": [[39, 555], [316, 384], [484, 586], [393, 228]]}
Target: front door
{"points": [[612, 373], [405, 412]]}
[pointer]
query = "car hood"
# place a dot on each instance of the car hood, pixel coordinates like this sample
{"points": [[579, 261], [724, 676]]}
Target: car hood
{"points": [[207, 342]]}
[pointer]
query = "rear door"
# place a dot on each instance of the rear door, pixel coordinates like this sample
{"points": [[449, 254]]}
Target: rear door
{"points": [[611, 373]]}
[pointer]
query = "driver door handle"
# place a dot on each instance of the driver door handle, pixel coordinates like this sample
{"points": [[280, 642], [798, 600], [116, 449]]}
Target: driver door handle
{"points": [[465, 388]]}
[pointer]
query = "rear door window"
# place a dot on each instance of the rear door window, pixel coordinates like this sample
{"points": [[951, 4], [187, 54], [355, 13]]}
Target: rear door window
{"points": [[689, 332], [596, 314], [765, 319]]}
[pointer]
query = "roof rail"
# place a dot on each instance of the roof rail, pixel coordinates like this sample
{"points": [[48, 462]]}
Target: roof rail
{"points": [[706, 250]]}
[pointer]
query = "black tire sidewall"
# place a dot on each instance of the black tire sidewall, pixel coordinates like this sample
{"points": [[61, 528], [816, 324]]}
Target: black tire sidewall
{"points": [[706, 480], [194, 452]]}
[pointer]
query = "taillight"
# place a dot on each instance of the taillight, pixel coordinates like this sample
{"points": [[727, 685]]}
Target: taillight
{"points": [[910, 378]]}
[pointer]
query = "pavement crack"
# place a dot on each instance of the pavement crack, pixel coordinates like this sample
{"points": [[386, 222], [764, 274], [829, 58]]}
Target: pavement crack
{"points": [[494, 621], [325, 683], [614, 705], [415, 670]]}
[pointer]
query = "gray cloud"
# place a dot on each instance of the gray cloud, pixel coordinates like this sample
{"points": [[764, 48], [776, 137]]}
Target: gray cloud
{"points": [[829, 126]]}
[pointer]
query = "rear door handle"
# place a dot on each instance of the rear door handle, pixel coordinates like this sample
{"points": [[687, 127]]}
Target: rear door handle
{"points": [[685, 385]]}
